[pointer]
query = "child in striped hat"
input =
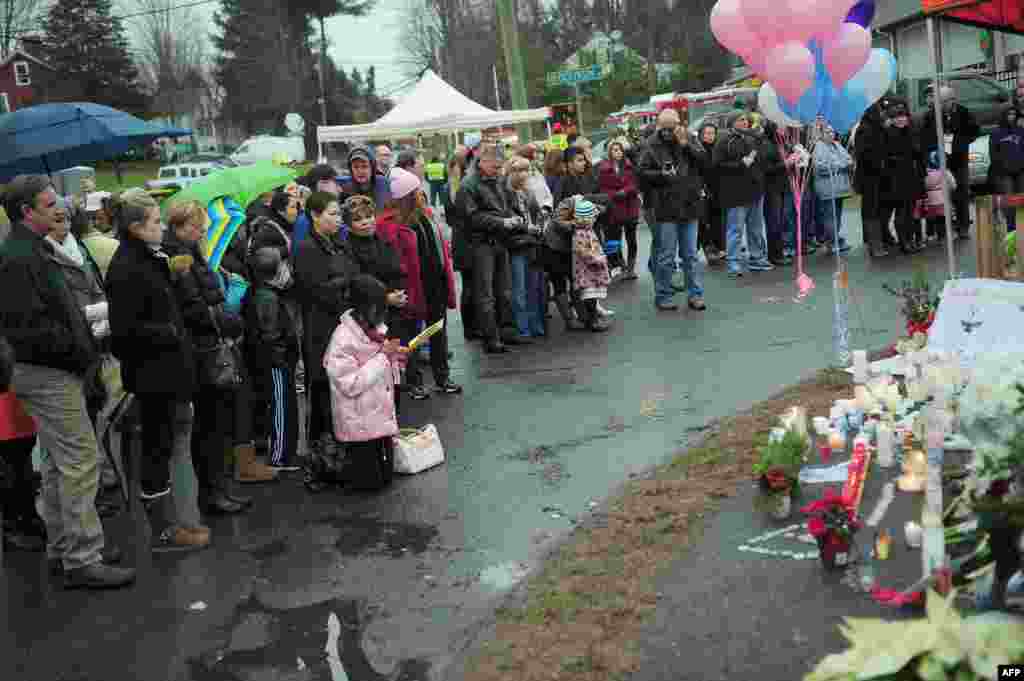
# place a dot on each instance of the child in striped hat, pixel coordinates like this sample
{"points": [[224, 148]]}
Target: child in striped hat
{"points": [[589, 265]]}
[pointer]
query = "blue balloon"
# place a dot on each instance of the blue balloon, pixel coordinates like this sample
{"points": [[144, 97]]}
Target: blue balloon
{"points": [[841, 109], [863, 13]]}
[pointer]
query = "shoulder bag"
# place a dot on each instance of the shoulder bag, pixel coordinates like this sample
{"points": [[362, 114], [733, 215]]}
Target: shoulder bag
{"points": [[221, 365]]}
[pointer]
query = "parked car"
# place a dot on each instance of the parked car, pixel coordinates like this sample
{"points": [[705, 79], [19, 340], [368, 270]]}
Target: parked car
{"points": [[267, 148], [979, 161], [211, 157], [181, 174]]}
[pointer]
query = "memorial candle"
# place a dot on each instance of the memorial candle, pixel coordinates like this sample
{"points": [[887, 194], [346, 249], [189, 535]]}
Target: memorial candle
{"points": [[885, 445], [860, 366]]}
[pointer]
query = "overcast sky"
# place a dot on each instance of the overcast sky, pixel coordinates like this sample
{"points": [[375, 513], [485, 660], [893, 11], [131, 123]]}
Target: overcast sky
{"points": [[359, 43]]}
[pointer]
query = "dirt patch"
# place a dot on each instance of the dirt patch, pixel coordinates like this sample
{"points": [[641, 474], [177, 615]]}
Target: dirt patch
{"points": [[580, 615]]}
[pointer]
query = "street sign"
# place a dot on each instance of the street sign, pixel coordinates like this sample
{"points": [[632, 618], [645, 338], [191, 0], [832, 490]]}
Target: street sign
{"points": [[576, 76]]}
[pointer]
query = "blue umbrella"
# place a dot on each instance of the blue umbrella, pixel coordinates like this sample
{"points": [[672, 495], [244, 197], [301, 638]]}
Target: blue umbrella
{"points": [[51, 137]]}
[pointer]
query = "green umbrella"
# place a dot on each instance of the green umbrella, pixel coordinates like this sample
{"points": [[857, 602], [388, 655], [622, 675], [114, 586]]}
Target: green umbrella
{"points": [[242, 183]]}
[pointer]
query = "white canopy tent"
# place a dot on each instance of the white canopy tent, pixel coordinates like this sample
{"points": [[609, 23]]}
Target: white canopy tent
{"points": [[433, 106]]}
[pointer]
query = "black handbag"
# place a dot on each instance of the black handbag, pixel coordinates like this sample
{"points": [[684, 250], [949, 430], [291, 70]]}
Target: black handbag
{"points": [[221, 365]]}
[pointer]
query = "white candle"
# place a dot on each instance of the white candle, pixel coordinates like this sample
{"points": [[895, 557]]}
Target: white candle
{"points": [[885, 445], [860, 366], [863, 397]]}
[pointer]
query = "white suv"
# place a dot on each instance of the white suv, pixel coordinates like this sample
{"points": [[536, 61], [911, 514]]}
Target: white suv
{"points": [[181, 175]]}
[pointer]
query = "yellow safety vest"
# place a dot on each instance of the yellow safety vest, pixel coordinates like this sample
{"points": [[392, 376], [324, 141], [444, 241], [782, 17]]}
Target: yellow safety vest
{"points": [[435, 172], [560, 142]]}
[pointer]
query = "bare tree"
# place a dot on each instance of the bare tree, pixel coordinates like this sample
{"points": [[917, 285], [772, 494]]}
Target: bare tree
{"points": [[171, 56], [16, 17]]}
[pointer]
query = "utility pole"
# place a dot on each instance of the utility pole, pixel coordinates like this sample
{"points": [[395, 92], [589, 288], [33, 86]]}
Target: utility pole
{"points": [[513, 61], [497, 92]]}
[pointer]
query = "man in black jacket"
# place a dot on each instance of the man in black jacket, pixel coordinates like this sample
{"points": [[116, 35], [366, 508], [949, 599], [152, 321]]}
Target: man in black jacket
{"points": [[959, 124], [55, 350], [671, 170], [489, 220]]}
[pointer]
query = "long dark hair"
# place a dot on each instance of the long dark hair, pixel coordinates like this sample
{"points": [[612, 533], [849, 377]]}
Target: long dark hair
{"points": [[368, 296]]}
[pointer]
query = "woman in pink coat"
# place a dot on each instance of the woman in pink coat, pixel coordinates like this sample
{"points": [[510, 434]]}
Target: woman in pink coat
{"points": [[363, 366]]}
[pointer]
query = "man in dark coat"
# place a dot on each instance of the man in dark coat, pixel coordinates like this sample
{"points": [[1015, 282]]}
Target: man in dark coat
{"points": [[487, 210], [959, 124], [672, 169], [868, 151], [55, 351]]}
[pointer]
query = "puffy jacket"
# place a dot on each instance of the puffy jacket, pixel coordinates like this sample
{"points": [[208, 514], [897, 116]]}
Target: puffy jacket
{"points": [[832, 165], [621, 188], [671, 198], [38, 312], [323, 269], [933, 187], [404, 241], [271, 340], [377, 257], [200, 296], [148, 331], [362, 379], [738, 184]]}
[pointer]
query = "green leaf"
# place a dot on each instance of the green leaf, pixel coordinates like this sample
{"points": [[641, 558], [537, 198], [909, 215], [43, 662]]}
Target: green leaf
{"points": [[929, 668]]}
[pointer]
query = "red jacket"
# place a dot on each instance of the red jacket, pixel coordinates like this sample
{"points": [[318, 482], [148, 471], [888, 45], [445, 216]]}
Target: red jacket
{"points": [[403, 240], [625, 209], [15, 423]]}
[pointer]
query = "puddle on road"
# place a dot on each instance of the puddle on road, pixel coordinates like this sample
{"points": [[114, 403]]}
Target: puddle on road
{"points": [[363, 535], [289, 645], [503, 577]]}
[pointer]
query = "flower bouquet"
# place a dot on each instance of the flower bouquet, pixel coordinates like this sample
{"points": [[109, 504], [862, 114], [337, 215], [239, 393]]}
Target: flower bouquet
{"points": [[833, 523], [778, 471], [919, 304]]}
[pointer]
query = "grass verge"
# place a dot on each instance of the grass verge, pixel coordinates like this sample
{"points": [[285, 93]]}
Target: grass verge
{"points": [[580, 615]]}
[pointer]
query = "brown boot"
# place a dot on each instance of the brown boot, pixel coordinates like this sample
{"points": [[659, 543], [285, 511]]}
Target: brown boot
{"points": [[247, 469]]}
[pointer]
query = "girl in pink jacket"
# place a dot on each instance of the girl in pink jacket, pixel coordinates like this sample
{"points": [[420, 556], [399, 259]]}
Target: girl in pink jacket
{"points": [[363, 366]]}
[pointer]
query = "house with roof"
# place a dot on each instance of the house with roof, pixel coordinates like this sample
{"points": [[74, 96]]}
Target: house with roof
{"points": [[21, 75]]}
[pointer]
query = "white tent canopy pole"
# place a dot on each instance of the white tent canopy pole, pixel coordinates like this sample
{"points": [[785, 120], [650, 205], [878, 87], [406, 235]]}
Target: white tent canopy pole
{"points": [[433, 106]]}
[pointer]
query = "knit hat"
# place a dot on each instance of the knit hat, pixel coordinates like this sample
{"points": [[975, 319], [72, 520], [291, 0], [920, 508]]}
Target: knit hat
{"points": [[585, 210], [321, 172], [403, 183]]}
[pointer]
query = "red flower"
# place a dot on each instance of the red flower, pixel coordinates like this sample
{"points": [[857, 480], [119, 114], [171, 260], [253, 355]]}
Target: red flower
{"points": [[778, 480], [998, 488], [829, 501], [816, 526], [920, 327]]}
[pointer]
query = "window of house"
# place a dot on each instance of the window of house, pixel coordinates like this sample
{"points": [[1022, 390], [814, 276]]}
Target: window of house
{"points": [[5, 106], [21, 74]]}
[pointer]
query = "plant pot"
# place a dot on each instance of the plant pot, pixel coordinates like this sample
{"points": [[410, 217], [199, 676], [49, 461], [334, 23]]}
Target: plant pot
{"points": [[834, 551], [782, 506]]}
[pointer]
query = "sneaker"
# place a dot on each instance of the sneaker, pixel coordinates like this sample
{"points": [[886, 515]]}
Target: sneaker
{"points": [[697, 303], [418, 393], [666, 307], [604, 312], [449, 388], [761, 266], [735, 274], [175, 539]]}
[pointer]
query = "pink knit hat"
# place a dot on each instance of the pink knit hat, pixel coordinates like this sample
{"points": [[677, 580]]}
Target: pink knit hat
{"points": [[403, 183]]}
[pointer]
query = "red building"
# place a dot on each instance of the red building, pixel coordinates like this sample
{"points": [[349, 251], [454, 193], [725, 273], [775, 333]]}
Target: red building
{"points": [[20, 75]]}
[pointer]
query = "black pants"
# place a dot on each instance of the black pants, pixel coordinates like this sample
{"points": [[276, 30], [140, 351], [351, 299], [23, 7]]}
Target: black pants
{"points": [[1009, 184], [212, 436], [158, 414], [629, 232], [492, 288], [907, 228], [320, 419], [558, 267], [711, 231], [407, 330], [18, 501], [275, 404], [467, 309]]}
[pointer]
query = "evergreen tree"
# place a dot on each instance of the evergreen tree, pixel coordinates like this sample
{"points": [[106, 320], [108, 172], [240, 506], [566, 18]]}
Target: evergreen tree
{"points": [[89, 50], [357, 82]]}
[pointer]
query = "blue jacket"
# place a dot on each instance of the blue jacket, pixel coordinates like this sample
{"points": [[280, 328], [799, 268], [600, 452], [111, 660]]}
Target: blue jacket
{"points": [[832, 165], [300, 230], [1006, 149]]}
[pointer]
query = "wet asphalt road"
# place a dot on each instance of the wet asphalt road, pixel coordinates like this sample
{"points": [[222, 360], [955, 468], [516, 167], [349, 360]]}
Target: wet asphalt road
{"points": [[539, 436]]}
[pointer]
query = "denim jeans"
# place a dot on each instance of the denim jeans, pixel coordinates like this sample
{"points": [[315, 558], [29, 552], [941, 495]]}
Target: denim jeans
{"points": [[667, 237], [749, 218], [829, 214], [528, 299], [780, 223]]}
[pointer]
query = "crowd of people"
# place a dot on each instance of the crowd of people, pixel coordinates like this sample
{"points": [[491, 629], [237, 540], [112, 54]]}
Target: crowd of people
{"points": [[344, 267]]}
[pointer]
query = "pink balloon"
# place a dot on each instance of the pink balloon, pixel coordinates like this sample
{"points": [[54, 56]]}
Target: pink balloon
{"points": [[731, 30], [790, 69], [847, 52], [770, 20], [828, 17]]}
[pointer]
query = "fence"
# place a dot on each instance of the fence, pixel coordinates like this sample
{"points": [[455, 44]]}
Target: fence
{"points": [[1007, 78]]}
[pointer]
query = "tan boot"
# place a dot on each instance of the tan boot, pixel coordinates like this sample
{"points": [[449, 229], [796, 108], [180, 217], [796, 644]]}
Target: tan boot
{"points": [[247, 469]]}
